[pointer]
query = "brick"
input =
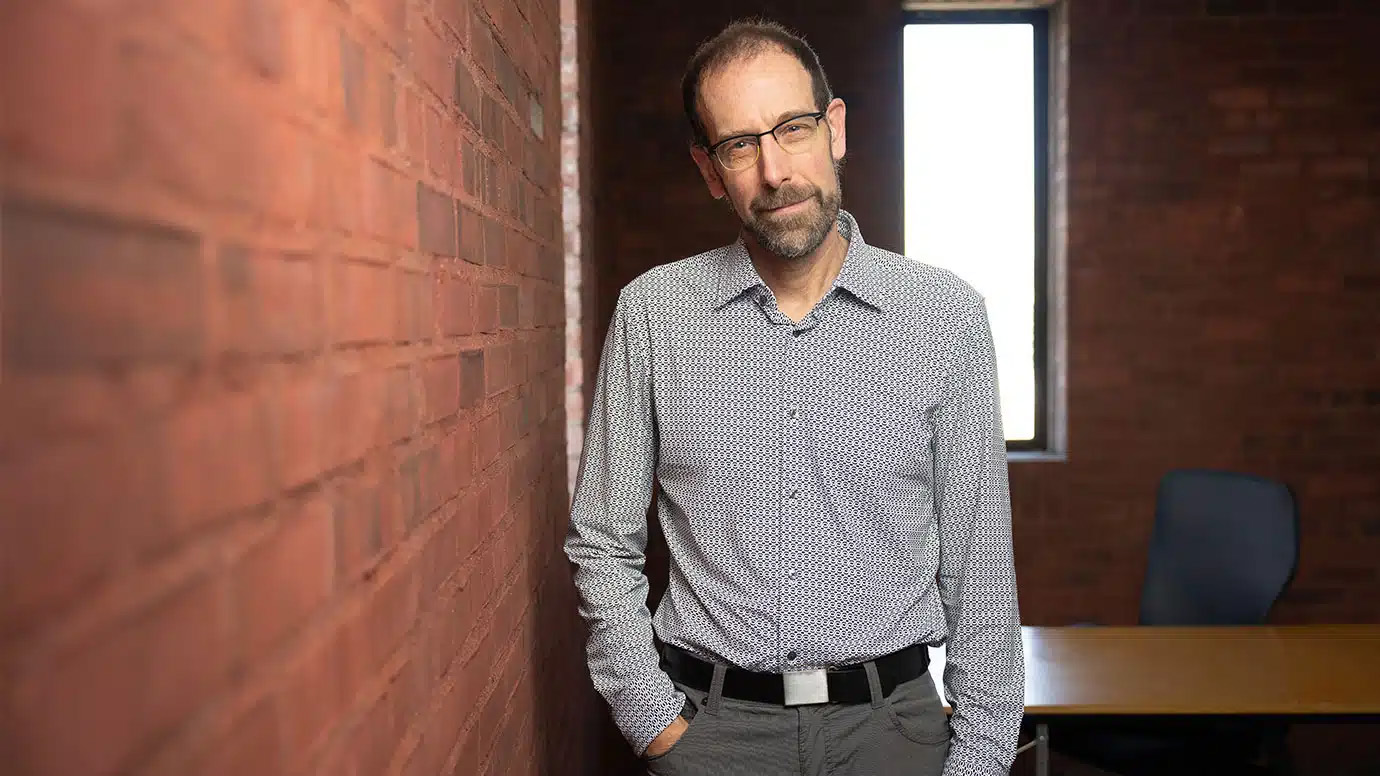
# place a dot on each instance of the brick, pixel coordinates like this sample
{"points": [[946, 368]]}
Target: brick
{"points": [[489, 439], [472, 378], [252, 745], [495, 249], [389, 611], [101, 500], [492, 121], [435, 221], [453, 14], [501, 370], [353, 83], [1341, 168], [404, 404], [312, 55], [126, 687], [416, 306], [216, 456], [486, 309], [508, 306], [288, 196], [84, 290], [413, 134], [377, 738], [389, 19], [491, 186], [410, 484], [285, 578], [1241, 145], [358, 416], [1169, 8], [1237, 7], [343, 195], [384, 195], [358, 507], [471, 236], [316, 692], [62, 116], [261, 36], [470, 167], [481, 43], [1241, 98], [299, 415], [466, 93], [434, 56], [388, 109], [193, 130], [442, 152], [270, 304], [442, 381], [363, 302], [457, 307], [509, 82]]}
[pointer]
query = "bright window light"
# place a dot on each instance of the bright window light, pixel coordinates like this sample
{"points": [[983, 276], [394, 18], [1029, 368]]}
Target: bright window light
{"points": [[970, 182]]}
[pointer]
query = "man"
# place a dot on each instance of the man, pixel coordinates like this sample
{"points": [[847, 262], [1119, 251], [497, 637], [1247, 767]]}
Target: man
{"points": [[822, 419]]}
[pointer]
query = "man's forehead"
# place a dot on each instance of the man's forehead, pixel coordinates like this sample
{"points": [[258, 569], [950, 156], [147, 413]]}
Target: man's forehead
{"points": [[765, 87]]}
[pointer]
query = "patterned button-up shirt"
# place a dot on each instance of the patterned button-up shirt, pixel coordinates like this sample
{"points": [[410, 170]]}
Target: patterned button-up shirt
{"points": [[830, 490]]}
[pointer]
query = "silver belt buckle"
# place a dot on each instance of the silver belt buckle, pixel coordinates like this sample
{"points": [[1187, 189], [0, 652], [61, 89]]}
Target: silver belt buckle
{"points": [[806, 687]]}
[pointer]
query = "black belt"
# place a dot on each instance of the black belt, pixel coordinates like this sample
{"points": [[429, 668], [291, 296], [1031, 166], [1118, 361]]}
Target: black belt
{"points": [[846, 684]]}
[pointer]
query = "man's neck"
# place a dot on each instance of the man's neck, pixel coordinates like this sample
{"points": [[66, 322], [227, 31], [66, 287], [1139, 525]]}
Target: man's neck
{"points": [[799, 284]]}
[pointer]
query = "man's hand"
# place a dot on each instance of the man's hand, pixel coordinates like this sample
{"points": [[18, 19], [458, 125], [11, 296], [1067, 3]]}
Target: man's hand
{"points": [[668, 737]]}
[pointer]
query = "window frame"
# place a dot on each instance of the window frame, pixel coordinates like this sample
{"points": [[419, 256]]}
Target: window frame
{"points": [[1039, 19]]}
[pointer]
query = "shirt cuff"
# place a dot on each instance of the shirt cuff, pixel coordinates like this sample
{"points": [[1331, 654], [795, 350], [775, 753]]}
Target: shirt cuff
{"points": [[642, 722]]}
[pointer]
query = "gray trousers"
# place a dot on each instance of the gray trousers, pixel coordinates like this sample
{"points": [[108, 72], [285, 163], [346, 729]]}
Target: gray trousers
{"points": [[905, 734]]}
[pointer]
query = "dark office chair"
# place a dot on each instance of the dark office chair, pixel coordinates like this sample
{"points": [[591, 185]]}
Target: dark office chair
{"points": [[1223, 550]]}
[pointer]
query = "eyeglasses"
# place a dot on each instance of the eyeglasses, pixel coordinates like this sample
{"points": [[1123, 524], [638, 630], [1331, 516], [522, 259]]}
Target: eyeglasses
{"points": [[793, 135]]}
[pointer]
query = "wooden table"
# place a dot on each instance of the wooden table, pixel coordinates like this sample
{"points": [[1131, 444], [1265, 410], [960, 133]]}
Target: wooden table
{"points": [[1293, 671]]}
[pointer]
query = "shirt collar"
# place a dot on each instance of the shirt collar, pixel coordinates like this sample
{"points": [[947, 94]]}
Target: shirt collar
{"points": [[859, 276]]}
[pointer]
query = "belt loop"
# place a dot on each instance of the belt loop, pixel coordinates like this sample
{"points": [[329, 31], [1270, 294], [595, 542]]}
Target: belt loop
{"points": [[716, 689], [874, 683]]}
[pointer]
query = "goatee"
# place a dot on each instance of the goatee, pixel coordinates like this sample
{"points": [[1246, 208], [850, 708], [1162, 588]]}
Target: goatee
{"points": [[797, 234]]}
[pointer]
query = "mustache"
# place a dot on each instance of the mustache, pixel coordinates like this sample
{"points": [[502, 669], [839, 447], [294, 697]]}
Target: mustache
{"points": [[784, 196]]}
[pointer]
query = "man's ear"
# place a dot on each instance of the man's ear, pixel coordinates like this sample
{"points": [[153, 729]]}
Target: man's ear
{"points": [[709, 171], [835, 114]]}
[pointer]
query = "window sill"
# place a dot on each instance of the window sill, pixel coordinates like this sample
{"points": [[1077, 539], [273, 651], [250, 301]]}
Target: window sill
{"points": [[1036, 456]]}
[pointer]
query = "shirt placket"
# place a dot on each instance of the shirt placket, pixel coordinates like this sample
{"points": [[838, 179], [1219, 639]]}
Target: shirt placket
{"points": [[795, 493]]}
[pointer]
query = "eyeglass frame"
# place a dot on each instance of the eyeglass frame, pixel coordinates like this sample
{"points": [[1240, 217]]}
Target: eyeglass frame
{"points": [[713, 151]]}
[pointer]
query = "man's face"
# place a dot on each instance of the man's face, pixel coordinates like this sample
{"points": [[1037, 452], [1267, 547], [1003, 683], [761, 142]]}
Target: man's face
{"points": [[787, 201]]}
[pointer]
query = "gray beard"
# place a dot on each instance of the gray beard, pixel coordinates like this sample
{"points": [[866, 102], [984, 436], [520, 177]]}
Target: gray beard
{"points": [[798, 237]]}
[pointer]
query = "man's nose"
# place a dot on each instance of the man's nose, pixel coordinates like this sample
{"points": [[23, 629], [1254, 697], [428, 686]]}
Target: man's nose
{"points": [[775, 162]]}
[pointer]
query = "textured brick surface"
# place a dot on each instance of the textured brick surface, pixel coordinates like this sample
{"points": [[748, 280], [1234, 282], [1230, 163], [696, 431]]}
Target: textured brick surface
{"points": [[282, 456]]}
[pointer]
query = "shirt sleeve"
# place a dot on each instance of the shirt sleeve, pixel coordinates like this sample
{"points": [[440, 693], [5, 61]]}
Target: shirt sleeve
{"points": [[607, 537], [984, 678]]}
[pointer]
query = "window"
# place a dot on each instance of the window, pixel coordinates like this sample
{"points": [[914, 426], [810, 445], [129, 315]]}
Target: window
{"points": [[976, 183]]}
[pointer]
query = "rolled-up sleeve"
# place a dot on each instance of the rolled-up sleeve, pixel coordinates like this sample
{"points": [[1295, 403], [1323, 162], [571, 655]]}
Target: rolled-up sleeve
{"points": [[985, 673], [607, 536]]}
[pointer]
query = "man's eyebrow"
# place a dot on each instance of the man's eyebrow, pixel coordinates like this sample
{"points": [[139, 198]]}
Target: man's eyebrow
{"points": [[780, 117]]}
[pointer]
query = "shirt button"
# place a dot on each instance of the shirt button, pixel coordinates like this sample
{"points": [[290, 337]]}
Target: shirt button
{"points": [[792, 413], [792, 655], [795, 494]]}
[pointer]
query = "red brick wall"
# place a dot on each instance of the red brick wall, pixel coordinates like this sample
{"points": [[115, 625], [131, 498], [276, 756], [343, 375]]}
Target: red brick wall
{"points": [[1224, 239], [1223, 247], [282, 467]]}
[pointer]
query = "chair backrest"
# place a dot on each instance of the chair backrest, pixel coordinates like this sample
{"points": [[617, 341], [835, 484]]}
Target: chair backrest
{"points": [[1224, 548]]}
